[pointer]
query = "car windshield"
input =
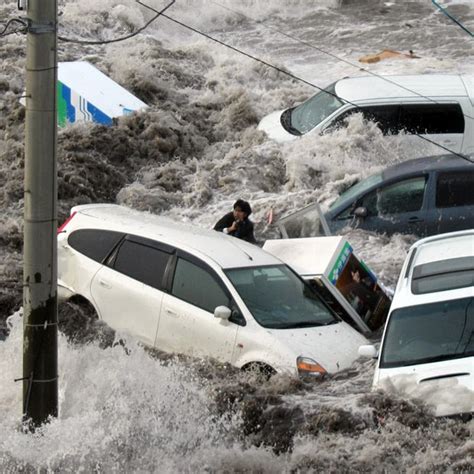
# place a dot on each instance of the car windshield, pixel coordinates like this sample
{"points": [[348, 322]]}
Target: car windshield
{"points": [[429, 333], [359, 188], [313, 111], [279, 299]]}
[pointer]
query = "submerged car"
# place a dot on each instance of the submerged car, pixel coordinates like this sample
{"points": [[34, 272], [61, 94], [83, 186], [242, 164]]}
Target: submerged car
{"points": [[424, 196], [439, 107], [183, 289], [427, 349]]}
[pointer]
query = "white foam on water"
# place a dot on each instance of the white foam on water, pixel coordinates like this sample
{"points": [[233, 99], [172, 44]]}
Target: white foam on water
{"points": [[190, 156], [117, 409]]}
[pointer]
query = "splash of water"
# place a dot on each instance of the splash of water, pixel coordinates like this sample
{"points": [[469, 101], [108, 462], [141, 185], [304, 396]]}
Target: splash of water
{"points": [[189, 156]]}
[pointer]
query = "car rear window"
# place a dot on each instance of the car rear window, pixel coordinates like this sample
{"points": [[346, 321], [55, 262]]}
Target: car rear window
{"points": [[431, 118], [141, 262], [94, 243], [443, 275], [455, 189]]}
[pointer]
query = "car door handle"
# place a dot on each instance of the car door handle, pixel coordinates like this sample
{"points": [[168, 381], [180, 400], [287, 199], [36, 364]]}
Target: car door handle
{"points": [[171, 312], [414, 220], [105, 284]]}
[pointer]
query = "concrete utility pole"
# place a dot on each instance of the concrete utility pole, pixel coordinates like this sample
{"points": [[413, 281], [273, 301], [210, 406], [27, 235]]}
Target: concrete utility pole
{"points": [[40, 360]]}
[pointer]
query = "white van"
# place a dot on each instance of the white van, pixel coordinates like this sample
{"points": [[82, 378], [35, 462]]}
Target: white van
{"points": [[439, 107], [199, 292], [427, 349]]}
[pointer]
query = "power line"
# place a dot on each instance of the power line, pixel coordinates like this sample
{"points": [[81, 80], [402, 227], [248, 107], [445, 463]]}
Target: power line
{"points": [[293, 76], [452, 18], [123, 38], [283, 71], [25, 27], [18, 30], [338, 58]]}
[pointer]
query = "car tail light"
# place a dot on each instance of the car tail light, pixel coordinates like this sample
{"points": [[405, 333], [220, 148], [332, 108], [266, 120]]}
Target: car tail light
{"points": [[65, 223], [307, 366]]}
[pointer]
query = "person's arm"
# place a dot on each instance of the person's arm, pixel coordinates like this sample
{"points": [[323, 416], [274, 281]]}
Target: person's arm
{"points": [[224, 224]]}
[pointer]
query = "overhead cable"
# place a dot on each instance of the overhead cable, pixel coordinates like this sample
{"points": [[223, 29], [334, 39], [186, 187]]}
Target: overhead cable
{"points": [[451, 17], [18, 30], [335, 56], [123, 38], [293, 76]]}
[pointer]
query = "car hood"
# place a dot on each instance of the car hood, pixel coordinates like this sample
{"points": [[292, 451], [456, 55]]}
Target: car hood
{"points": [[447, 386], [271, 125], [335, 347]]}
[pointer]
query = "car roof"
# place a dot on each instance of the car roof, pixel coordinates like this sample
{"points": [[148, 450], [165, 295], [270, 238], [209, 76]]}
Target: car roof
{"points": [[439, 249], [372, 87], [443, 246], [427, 163], [226, 251]]}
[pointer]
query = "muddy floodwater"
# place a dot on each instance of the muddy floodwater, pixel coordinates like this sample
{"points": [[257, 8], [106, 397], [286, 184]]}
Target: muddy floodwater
{"points": [[189, 156]]}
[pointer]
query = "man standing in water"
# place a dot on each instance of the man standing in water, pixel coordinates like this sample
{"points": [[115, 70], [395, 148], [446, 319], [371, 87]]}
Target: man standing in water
{"points": [[237, 222]]}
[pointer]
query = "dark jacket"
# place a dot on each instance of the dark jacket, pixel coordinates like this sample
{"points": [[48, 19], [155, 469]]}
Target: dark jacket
{"points": [[244, 230]]}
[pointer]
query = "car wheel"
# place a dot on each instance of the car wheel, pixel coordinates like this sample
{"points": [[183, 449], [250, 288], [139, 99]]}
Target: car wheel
{"points": [[79, 322], [260, 369]]}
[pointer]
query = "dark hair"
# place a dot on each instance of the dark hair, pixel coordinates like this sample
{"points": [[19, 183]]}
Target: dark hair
{"points": [[244, 206]]}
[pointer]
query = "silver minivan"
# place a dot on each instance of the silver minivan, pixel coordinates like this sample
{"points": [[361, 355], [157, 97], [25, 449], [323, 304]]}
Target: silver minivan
{"points": [[439, 107]]}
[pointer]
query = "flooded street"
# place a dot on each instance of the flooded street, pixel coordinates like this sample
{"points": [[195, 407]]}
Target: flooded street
{"points": [[189, 156]]}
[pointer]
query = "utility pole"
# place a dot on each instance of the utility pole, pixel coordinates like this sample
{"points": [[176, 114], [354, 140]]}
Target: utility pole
{"points": [[40, 359]]}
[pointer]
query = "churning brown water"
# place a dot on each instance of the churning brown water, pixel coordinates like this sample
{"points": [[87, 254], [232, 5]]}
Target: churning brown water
{"points": [[189, 156]]}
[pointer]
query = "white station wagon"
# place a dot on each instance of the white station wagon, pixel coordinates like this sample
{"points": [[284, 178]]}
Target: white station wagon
{"points": [[439, 107], [427, 349], [183, 289]]}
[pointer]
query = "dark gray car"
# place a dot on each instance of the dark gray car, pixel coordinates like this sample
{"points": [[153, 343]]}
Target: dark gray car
{"points": [[424, 196]]}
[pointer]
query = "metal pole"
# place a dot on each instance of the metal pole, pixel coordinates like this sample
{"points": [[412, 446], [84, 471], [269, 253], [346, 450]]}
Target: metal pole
{"points": [[40, 361]]}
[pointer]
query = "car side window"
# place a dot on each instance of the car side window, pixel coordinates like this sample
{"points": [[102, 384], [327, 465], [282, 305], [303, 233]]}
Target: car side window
{"points": [[141, 262], [454, 189], [385, 116], [94, 243], [369, 201], [411, 118], [404, 196], [198, 286], [396, 198], [432, 118]]}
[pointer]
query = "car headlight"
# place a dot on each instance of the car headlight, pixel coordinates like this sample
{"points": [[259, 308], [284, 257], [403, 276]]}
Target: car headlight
{"points": [[307, 366]]}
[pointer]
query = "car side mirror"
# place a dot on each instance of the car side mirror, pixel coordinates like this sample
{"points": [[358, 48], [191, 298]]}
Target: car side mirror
{"points": [[222, 312], [360, 212], [369, 352]]}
